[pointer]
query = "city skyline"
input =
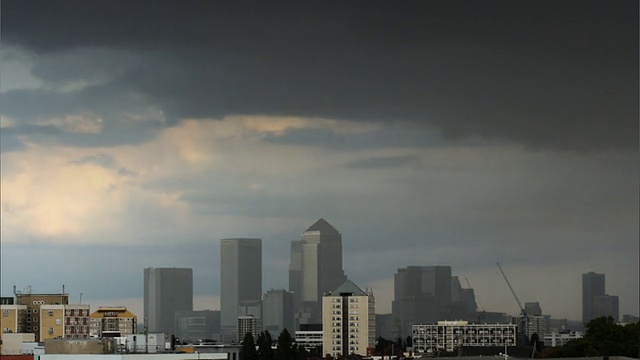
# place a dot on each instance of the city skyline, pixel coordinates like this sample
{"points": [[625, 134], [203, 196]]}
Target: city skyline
{"points": [[456, 133]]}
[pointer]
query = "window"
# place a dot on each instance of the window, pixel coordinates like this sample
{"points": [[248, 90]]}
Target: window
{"points": [[50, 331], [5, 313], [50, 312], [35, 311], [58, 321]]}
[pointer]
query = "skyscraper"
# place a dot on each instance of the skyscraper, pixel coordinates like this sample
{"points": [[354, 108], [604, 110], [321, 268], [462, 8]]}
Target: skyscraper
{"points": [[166, 291], [240, 282], [315, 268], [592, 286], [422, 294]]}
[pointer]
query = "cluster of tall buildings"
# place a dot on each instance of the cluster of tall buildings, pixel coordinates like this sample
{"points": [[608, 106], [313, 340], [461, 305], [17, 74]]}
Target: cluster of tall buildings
{"points": [[595, 302], [321, 305]]}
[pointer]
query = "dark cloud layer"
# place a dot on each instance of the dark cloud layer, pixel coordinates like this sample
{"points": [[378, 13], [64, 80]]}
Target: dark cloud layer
{"points": [[545, 74]]}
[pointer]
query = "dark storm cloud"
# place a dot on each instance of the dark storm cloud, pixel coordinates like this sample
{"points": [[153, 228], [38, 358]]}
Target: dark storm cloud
{"points": [[560, 75]]}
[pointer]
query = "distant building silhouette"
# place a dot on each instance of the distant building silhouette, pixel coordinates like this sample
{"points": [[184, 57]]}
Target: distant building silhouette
{"points": [[422, 295], [240, 283], [198, 325], [606, 305], [166, 291], [277, 312], [592, 286], [315, 268], [532, 308]]}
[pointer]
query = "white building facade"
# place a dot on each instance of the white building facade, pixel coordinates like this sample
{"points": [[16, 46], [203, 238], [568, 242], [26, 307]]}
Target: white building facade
{"points": [[448, 336], [348, 321]]}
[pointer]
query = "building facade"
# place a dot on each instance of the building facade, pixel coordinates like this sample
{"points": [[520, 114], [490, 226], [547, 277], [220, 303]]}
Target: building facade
{"points": [[592, 286], [309, 337], [198, 325], [277, 312], [70, 321], [248, 325], [34, 302], [240, 282], [534, 324], [555, 338], [13, 319], [422, 294], [112, 321], [166, 291], [348, 321], [315, 268], [449, 336], [606, 305]]}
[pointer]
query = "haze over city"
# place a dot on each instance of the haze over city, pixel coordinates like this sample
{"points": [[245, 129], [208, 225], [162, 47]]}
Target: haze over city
{"points": [[459, 133]]}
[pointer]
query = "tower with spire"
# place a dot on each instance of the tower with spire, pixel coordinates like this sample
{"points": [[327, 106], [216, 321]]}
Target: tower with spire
{"points": [[315, 268]]}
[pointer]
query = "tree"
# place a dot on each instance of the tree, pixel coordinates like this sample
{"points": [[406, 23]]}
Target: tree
{"points": [[603, 338], [285, 346], [248, 349], [265, 352]]}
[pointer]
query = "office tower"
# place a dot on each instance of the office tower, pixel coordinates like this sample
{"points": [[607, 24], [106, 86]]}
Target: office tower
{"points": [[315, 268], [240, 283], [277, 312], [422, 294], [348, 321], [166, 291], [605, 305], [592, 286], [532, 308]]}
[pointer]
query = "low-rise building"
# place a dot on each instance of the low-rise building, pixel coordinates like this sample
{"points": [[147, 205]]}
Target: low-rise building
{"points": [[448, 336], [34, 302], [561, 338], [13, 319], [112, 321], [309, 336], [70, 321]]}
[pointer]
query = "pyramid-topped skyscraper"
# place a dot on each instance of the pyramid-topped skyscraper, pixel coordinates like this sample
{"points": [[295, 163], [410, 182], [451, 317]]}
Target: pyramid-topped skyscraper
{"points": [[315, 268]]}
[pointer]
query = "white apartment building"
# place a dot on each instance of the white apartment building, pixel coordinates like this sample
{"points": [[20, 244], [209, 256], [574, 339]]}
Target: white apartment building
{"points": [[348, 321], [447, 336]]}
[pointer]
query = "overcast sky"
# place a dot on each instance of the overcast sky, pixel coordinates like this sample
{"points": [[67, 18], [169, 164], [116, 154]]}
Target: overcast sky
{"points": [[459, 133]]}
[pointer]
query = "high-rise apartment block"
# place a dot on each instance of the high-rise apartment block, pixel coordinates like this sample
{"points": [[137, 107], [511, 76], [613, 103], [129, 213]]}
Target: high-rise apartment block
{"points": [[240, 283], [112, 321], [166, 291], [348, 321], [248, 325], [315, 268], [595, 302]]}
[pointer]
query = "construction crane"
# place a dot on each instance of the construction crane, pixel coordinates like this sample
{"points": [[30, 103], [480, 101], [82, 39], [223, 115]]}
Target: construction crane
{"points": [[524, 320]]}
